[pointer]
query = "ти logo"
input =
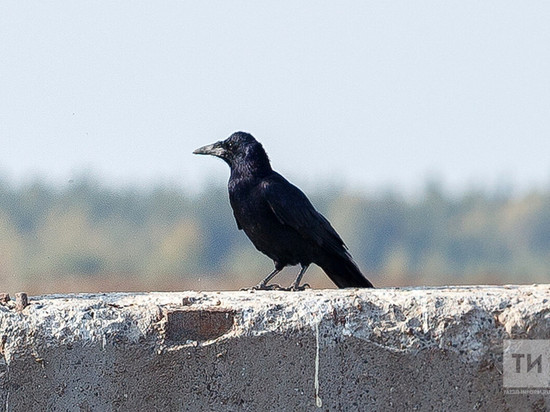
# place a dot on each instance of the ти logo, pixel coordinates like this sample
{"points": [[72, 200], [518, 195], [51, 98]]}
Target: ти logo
{"points": [[526, 363], [530, 365]]}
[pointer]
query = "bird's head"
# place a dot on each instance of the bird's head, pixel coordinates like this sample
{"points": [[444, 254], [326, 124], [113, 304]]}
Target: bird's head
{"points": [[239, 149]]}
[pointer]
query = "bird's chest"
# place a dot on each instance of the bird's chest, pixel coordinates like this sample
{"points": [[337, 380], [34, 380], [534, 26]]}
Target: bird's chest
{"points": [[256, 218], [252, 212]]}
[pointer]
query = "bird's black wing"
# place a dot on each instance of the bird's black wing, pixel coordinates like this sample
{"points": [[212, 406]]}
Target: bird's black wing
{"points": [[292, 208]]}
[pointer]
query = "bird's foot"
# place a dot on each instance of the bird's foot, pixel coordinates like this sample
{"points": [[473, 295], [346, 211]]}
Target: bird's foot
{"points": [[263, 286], [273, 286], [296, 288]]}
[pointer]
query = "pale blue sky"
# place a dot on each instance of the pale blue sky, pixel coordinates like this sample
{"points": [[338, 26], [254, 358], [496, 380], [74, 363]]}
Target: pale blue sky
{"points": [[368, 93]]}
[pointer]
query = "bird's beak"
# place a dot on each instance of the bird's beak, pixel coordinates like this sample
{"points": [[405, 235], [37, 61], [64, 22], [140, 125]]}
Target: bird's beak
{"points": [[214, 149]]}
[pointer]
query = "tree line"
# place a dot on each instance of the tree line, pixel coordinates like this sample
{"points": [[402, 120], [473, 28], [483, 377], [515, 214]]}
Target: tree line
{"points": [[88, 230]]}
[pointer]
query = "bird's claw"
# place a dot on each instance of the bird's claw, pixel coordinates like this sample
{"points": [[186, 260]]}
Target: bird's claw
{"points": [[296, 288], [263, 286], [292, 288]]}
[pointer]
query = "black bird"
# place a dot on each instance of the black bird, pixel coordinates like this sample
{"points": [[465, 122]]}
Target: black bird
{"points": [[278, 217]]}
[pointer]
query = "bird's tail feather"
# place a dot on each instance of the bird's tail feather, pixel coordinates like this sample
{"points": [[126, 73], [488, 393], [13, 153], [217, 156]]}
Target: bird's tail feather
{"points": [[343, 271]]}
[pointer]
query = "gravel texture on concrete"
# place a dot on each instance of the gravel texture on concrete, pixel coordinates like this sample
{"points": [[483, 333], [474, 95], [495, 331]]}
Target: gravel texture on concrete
{"points": [[383, 349]]}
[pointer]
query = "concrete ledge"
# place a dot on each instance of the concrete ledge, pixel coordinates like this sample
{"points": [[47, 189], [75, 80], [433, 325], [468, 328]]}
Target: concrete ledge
{"points": [[406, 349]]}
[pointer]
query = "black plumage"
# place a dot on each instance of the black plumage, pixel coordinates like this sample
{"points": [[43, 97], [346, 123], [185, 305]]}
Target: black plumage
{"points": [[278, 217]]}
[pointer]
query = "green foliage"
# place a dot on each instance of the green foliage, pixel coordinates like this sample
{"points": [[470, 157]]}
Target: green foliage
{"points": [[87, 229]]}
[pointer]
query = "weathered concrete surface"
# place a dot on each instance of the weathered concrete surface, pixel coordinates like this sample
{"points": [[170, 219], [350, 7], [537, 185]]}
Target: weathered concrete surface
{"points": [[403, 349]]}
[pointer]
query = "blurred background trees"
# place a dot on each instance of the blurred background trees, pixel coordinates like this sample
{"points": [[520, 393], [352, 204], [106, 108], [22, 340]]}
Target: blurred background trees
{"points": [[87, 236]]}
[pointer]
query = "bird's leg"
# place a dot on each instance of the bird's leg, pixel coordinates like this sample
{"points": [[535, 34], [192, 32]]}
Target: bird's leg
{"points": [[296, 283], [263, 284]]}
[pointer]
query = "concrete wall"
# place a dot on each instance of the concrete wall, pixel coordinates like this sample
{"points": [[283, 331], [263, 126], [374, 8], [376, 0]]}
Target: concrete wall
{"points": [[405, 349]]}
